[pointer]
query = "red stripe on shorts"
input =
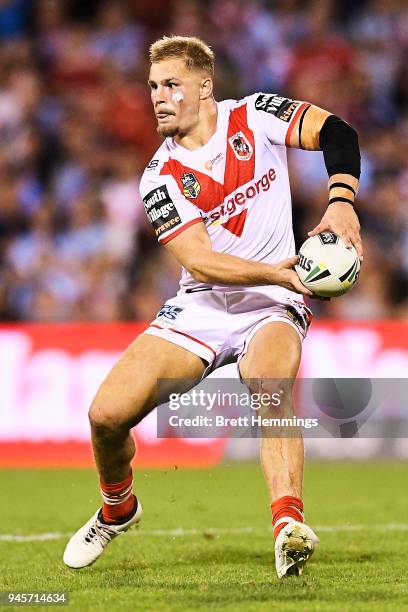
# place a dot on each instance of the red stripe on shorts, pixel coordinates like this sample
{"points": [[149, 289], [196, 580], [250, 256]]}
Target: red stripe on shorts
{"points": [[176, 331]]}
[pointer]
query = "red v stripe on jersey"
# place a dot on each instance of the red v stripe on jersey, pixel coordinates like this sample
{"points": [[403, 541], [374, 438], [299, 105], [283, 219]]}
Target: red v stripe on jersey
{"points": [[238, 172], [211, 193], [235, 225]]}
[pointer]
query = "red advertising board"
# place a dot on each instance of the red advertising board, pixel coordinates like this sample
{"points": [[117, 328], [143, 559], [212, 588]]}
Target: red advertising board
{"points": [[48, 377], [50, 372]]}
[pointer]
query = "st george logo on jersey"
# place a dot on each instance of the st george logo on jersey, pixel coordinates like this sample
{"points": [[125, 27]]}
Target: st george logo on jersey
{"points": [[241, 146], [191, 186]]}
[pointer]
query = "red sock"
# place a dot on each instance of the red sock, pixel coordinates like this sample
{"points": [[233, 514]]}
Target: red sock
{"points": [[118, 500], [284, 510]]}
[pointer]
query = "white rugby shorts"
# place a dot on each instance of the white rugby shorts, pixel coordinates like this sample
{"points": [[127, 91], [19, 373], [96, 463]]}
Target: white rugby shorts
{"points": [[218, 326]]}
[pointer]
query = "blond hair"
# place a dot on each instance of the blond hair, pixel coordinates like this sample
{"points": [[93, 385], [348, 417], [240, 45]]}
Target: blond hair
{"points": [[194, 51]]}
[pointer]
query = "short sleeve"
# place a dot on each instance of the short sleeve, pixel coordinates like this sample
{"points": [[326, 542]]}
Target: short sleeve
{"points": [[169, 212], [277, 115]]}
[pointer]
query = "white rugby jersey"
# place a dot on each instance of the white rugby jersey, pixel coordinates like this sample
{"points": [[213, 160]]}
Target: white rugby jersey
{"points": [[237, 184]]}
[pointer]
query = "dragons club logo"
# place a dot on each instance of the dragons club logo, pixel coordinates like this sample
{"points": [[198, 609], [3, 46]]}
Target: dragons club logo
{"points": [[241, 146]]}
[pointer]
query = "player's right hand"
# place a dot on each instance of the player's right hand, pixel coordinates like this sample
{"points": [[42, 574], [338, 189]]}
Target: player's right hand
{"points": [[285, 275]]}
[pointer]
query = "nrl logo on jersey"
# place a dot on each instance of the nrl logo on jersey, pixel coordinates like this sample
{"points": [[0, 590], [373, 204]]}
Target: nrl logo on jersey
{"points": [[191, 186], [241, 146]]}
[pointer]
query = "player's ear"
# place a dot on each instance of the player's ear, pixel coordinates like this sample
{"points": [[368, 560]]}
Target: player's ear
{"points": [[206, 88]]}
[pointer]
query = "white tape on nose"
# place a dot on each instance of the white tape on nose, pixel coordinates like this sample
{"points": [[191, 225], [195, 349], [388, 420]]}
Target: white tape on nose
{"points": [[177, 97]]}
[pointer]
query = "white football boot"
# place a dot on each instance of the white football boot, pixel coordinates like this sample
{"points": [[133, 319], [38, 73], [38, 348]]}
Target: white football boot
{"points": [[293, 548], [89, 542]]}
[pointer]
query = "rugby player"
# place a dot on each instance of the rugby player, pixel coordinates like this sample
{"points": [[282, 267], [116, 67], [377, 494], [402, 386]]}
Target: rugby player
{"points": [[218, 197]]}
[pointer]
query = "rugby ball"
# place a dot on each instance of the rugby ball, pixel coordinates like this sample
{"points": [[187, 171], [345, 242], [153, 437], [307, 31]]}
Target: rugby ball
{"points": [[327, 266]]}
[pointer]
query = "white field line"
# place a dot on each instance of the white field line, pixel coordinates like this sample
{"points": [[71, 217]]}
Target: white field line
{"points": [[209, 532]]}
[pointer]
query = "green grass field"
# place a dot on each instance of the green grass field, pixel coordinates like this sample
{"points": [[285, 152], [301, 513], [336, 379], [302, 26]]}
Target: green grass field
{"points": [[205, 541]]}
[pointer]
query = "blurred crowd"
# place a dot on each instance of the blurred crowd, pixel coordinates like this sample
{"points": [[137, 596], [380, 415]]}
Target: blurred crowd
{"points": [[77, 129]]}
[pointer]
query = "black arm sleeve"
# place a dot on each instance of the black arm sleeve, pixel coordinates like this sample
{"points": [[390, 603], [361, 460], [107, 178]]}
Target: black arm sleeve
{"points": [[339, 143]]}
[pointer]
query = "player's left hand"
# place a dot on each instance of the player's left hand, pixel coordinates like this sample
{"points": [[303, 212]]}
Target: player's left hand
{"points": [[341, 219]]}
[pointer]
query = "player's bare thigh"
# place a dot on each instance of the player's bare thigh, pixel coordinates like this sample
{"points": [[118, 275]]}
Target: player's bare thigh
{"points": [[130, 390], [273, 356]]}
